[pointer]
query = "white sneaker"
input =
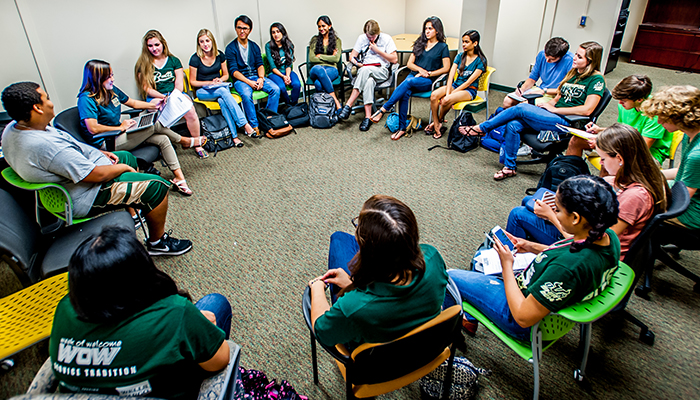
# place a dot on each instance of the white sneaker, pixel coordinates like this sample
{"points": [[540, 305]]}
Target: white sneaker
{"points": [[524, 150]]}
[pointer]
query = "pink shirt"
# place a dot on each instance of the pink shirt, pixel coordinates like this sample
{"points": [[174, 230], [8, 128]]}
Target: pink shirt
{"points": [[636, 208]]}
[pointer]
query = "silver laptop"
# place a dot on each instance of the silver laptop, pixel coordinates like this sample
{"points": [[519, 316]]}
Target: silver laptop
{"points": [[144, 121]]}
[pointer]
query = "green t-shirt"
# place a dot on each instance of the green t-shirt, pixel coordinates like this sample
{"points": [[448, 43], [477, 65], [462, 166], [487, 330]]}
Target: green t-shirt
{"points": [[165, 77], [384, 311], [648, 127], [689, 174], [558, 278], [574, 93], [153, 353]]}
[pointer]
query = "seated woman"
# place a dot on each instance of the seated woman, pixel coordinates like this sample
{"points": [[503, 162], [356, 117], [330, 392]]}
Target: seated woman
{"points": [[388, 282], [99, 106], [280, 56], [158, 73], [430, 59], [639, 184], [126, 329], [324, 53], [563, 274], [578, 94], [468, 67], [208, 68]]}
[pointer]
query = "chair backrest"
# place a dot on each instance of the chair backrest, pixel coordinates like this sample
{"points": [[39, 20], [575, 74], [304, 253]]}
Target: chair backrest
{"points": [[19, 240], [68, 120], [186, 83], [376, 363], [54, 197], [602, 104], [483, 82]]}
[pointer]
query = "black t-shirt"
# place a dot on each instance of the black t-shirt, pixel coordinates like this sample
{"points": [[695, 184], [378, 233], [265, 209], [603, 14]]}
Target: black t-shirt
{"points": [[431, 60], [205, 73]]}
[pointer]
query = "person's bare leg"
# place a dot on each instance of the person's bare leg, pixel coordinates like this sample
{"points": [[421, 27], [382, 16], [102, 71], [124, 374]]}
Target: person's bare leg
{"points": [[435, 98], [508, 102], [192, 121], [337, 102], [368, 110], [156, 220], [577, 146]]}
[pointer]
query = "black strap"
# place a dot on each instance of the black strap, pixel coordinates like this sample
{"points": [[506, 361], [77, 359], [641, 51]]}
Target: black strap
{"points": [[437, 145]]}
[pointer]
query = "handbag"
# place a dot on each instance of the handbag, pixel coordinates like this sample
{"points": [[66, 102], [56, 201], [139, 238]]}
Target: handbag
{"points": [[465, 380], [218, 134]]}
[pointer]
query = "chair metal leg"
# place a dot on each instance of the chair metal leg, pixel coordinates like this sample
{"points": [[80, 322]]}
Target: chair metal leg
{"points": [[536, 357], [646, 336], [586, 338], [671, 263], [313, 358], [349, 394], [447, 383]]}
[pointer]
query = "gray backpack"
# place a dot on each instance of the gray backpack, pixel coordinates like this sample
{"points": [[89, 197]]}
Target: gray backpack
{"points": [[322, 109]]}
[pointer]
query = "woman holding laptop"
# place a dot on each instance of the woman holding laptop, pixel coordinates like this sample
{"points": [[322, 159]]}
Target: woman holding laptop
{"points": [[99, 105]]}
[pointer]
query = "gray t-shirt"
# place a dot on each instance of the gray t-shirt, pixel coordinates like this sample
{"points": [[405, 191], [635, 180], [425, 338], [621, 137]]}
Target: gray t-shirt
{"points": [[244, 52], [52, 155]]}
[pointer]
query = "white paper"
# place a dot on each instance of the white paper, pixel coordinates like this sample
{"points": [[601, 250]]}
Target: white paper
{"points": [[176, 107], [577, 132], [491, 263]]}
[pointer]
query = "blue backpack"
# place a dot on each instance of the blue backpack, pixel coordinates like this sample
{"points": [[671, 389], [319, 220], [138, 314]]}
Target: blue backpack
{"points": [[493, 139]]}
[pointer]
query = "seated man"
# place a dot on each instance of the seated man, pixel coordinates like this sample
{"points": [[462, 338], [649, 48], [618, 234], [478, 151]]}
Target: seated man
{"points": [[678, 108], [97, 181], [630, 93], [373, 54], [551, 65], [245, 66]]}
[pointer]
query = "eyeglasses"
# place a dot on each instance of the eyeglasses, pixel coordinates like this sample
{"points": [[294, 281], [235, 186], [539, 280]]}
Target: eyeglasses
{"points": [[354, 221], [242, 28]]}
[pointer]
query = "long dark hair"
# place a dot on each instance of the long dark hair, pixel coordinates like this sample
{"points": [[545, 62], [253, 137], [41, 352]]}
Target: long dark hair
{"points": [[422, 41], [95, 73], [593, 199], [331, 37], [387, 233], [287, 46], [111, 276], [474, 37]]}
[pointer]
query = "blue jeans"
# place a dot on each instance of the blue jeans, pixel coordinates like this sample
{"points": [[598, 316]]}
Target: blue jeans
{"points": [[295, 85], [323, 77], [517, 119], [487, 294], [246, 93], [523, 223], [402, 94], [221, 308], [229, 108], [342, 249]]}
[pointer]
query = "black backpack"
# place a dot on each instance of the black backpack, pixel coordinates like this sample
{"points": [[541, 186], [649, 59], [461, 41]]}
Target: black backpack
{"points": [[298, 115], [322, 111], [458, 142], [218, 134], [558, 170], [272, 124]]}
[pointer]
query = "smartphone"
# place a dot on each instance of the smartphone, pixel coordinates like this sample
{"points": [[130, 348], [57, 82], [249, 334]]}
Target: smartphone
{"points": [[499, 233], [548, 199]]}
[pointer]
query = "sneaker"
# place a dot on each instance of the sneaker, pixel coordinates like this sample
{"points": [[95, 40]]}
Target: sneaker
{"points": [[524, 150], [344, 112], [169, 246], [137, 220]]}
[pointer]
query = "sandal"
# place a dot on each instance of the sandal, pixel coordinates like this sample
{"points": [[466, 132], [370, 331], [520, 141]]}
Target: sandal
{"points": [[471, 131], [200, 141], [181, 187], [379, 114], [430, 129], [397, 135], [437, 135], [504, 173], [237, 144], [201, 153]]}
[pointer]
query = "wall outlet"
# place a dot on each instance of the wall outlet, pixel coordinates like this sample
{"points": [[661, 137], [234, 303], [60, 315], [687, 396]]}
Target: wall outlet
{"points": [[531, 67], [583, 20]]}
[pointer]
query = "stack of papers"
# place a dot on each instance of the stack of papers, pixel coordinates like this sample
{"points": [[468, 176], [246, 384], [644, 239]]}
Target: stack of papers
{"points": [[176, 106], [488, 262]]}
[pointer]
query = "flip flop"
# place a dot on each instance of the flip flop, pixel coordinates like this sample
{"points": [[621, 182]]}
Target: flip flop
{"points": [[201, 153], [442, 132], [379, 113], [398, 135], [471, 131], [504, 173], [181, 187]]}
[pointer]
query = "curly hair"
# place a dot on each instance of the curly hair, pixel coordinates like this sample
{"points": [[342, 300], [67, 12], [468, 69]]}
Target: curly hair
{"points": [[422, 41], [593, 199], [19, 98], [678, 104], [332, 37], [387, 233]]}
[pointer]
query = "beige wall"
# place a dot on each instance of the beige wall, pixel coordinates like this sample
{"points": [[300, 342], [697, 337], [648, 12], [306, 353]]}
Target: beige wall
{"points": [[637, 8], [449, 12]]}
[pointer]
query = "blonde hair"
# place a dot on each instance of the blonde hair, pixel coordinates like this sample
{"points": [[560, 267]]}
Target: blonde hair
{"points": [[594, 53], [143, 71], [678, 104], [214, 49], [372, 27]]}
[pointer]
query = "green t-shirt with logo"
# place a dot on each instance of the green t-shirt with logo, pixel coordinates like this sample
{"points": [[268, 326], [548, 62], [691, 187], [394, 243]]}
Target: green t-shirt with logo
{"points": [[689, 174], [648, 127], [558, 278], [154, 353], [574, 92], [165, 77]]}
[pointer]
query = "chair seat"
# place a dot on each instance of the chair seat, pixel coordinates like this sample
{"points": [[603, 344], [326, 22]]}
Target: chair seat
{"points": [[472, 102], [27, 315], [422, 95], [531, 140], [257, 95]]}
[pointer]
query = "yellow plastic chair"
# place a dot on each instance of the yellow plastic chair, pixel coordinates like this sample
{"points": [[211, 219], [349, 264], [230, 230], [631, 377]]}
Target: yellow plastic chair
{"points": [[210, 105], [677, 139], [27, 315], [484, 80]]}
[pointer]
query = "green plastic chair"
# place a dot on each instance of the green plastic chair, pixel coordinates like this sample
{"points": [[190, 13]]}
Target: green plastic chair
{"points": [[556, 325], [257, 94], [53, 197]]}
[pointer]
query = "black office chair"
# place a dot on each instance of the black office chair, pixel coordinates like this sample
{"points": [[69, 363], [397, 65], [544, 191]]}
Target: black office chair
{"points": [[386, 86], [640, 256], [544, 152], [69, 120], [33, 256], [682, 239]]}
